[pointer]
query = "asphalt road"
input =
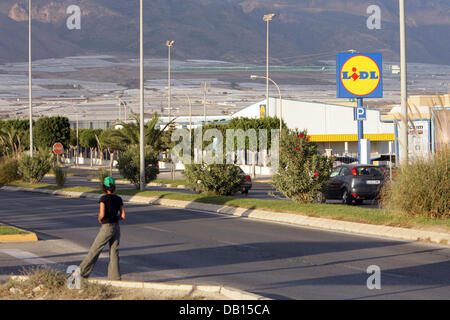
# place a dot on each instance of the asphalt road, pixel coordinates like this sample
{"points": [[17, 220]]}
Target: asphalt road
{"points": [[185, 246]]}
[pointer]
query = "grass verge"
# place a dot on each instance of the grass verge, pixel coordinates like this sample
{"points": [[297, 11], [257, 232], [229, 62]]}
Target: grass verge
{"points": [[172, 182], [6, 231], [331, 211]]}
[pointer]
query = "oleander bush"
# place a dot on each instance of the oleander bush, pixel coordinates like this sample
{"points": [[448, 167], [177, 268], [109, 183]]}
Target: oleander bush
{"points": [[421, 188], [218, 179], [302, 168]]}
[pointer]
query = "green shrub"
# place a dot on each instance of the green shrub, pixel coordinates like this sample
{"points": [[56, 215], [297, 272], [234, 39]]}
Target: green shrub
{"points": [[219, 179], [302, 169], [9, 170], [60, 176], [128, 164], [49, 130], [33, 169], [421, 188]]}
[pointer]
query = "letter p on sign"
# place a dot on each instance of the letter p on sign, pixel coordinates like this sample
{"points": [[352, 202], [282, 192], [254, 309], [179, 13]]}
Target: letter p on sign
{"points": [[360, 113]]}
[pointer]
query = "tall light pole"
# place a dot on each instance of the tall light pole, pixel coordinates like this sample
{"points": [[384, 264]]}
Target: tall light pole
{"points": [[267, 18], [169, 44], [253, 77], [205, 88], [124, 103], [404, 92], [141, 140], [76, 113], [190, 111], [30, 83]]}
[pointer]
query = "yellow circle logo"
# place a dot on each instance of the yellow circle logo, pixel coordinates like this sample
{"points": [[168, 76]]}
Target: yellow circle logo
{"points": [[360, 75]]}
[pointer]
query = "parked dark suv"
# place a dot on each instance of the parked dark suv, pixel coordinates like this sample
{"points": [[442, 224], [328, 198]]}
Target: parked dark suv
{"points": [[353, 183]]}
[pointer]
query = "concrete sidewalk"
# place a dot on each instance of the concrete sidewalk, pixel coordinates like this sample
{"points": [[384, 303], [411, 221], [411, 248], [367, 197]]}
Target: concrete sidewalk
{"points": [[278, 217]]}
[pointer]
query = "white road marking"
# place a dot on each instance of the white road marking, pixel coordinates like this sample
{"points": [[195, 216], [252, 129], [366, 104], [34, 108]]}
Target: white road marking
{"points": [[28, 257], [158, 229]]}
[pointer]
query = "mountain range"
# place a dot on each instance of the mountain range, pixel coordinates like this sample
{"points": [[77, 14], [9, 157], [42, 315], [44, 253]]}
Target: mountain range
{"points": [[303, 31]]}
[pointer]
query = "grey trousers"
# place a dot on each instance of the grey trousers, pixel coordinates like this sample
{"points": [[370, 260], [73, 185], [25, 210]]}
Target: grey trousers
{"points": [[109, 234]]}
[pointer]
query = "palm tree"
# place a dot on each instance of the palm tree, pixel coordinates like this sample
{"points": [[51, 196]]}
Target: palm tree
{"points": [[130, 133], [11, 141], [129, 136]]}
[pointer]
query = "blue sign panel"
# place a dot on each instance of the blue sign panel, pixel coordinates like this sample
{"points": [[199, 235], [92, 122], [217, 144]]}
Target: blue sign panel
{"points": [[359, 75], [360, 113]]}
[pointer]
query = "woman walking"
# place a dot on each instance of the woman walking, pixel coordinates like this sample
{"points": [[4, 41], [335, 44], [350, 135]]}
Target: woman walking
{"points": [[111, 212]]}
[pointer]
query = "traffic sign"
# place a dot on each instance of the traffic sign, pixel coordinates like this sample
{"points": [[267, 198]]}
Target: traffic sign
{"points": [[262, 111], [360, 113], [58, 148], [359, 75]]}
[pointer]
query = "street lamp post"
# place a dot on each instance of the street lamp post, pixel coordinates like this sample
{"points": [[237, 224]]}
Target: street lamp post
{"points": [[76, 114], [404, 93], [124, 103], [141, 140], [190, 111], [205, 88], [30, 84], [169, 44], [253, 77], [267, 18]]}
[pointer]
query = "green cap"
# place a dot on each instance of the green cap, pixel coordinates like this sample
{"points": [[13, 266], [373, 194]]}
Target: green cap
{"points": [[109, 181]]}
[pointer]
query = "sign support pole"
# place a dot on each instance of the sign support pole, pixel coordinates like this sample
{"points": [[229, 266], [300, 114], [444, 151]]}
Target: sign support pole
{"points": [[360, 130]]}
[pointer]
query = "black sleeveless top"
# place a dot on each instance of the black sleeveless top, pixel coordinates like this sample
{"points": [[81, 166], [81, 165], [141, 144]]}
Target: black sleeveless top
{"points": [[112, 207]]}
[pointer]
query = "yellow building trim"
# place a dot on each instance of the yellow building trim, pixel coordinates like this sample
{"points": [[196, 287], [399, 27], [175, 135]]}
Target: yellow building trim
{"points": [[351, 137]]}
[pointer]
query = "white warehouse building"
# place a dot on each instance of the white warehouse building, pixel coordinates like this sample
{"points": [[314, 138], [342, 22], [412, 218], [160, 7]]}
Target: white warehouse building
{"points": [[332, 127]]}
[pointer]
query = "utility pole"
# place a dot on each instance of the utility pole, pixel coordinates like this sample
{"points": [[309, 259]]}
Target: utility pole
{"points": [[404, 89], [205, 87], [30, 82], [141, 140], [169, 44], [267, 18]]}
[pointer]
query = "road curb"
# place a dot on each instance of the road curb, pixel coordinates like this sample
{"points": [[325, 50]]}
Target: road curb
{"points": [[28, 237], [183, 289], [231, 293], [151, 184], [279, 217]]}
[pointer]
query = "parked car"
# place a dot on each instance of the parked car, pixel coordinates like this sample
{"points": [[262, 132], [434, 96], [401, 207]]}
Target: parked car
{"points": [[247, 185], [353, 183]]}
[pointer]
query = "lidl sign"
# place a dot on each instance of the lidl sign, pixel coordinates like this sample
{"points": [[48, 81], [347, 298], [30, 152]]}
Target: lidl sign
{"points": [[359, 75], [262, 111]]}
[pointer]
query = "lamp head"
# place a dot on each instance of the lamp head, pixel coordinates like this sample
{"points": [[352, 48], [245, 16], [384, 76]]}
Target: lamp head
{"points": [[268, 17], [170, 43]]}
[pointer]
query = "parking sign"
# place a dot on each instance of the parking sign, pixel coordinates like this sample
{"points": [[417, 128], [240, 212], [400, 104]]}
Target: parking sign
{"points": [[360, 113]]}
